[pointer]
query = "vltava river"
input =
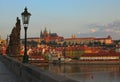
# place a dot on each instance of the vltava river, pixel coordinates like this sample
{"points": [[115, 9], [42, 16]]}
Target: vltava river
{"points": [[87, 73]]}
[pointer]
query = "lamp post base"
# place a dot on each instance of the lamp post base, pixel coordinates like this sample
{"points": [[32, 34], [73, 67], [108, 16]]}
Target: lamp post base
{"points": [[25, 59]]}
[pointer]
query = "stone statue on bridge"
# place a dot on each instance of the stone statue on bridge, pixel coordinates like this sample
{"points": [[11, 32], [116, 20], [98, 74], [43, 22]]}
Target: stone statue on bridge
{"points": [[13, 48]]}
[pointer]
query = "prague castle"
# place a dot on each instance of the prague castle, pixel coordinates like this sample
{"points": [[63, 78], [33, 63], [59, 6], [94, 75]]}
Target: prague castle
{"points": [[86, 40], [54, 37]]}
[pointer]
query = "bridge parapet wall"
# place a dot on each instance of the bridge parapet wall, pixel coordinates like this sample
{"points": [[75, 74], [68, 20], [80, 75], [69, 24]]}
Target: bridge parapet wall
{"points": [[29, 73]]}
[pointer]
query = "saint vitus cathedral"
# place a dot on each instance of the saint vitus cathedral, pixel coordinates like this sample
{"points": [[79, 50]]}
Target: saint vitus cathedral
{"points": [[50, 37]]}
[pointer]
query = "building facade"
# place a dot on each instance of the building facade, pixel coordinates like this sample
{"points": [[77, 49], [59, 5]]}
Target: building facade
{"points": [[107, 40]]}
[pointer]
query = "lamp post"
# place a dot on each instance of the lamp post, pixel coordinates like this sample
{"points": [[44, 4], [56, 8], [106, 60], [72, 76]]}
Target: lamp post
{"points": [[25, 18]]}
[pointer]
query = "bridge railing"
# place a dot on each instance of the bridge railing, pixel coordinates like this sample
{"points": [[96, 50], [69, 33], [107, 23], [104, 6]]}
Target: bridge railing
{"points": [[29, 73]]}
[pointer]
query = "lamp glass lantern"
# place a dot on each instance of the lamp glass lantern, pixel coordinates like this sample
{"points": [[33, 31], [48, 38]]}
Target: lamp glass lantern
{"points": [[25, 17]]}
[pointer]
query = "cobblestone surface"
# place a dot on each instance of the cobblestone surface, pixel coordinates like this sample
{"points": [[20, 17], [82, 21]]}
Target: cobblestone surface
{"points": [[6, 75]]}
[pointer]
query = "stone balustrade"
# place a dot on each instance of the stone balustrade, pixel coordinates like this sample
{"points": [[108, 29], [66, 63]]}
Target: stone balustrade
{"points": [[29, 73]]}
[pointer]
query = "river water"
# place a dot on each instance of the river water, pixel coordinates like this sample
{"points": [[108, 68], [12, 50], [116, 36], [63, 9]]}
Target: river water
{"points": [[87, 73]]}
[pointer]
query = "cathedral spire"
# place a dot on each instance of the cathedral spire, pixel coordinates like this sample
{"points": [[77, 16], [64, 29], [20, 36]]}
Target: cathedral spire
{"points": [[0, 39], [49, 31], [41, 34], [45, 31], [45, 34]]}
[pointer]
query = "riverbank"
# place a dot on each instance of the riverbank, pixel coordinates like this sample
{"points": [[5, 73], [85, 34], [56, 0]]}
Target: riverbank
{"points": [[92, 62]]}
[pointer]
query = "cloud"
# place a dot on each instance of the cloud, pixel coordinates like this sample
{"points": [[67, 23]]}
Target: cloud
{"points": [[92, 30], [78, 33], [103, 30]]}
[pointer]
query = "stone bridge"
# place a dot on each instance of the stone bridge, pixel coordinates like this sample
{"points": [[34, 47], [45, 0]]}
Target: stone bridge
{"points": [[30, 73]]}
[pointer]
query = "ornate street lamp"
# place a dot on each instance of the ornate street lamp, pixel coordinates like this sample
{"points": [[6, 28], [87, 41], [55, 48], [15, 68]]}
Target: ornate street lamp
{"points": [[25, 18]]}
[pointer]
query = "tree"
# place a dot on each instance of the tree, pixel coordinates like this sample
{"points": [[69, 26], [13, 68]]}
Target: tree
{"points": [[65, 44]]}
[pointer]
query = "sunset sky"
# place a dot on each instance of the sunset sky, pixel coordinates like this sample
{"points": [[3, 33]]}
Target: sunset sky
{"points": [[84, 18]]}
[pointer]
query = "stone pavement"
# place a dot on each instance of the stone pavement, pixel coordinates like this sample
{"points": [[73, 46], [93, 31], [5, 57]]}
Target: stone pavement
{"points": [[6, 75]]}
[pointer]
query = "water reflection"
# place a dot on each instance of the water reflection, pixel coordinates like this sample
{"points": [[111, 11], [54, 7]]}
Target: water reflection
{"points": [[88, 73]]}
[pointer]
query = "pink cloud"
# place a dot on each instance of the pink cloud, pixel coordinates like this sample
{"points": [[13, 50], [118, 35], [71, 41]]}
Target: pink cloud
{"points": [[92, 30]]}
